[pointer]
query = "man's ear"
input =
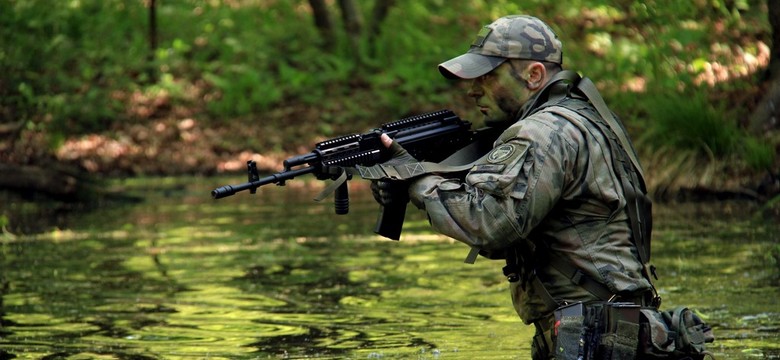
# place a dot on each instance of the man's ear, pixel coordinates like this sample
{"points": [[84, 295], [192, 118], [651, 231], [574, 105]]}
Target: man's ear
{"points": [[536, 74]]}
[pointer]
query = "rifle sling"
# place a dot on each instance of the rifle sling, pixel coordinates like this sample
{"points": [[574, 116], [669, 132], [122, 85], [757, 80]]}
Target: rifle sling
{"points": [[462, 160], [333, 186]]}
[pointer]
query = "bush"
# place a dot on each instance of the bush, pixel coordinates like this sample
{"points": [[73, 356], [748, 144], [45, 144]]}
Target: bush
{"points": [[66, 59], [693, 122]]}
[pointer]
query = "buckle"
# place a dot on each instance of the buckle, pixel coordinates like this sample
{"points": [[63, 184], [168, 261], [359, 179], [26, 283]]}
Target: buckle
{"points": [[577, 278]]}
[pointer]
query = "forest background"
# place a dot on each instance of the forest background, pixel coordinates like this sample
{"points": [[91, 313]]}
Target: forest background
{"points": [[118, 88]]}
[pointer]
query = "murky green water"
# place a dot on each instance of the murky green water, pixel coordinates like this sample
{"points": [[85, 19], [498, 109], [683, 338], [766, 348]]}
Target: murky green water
{"points": [[275, 275]]}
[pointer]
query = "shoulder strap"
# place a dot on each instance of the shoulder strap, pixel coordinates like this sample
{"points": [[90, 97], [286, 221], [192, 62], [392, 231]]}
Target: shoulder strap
{"points": [[589, 90], [637, 203]]}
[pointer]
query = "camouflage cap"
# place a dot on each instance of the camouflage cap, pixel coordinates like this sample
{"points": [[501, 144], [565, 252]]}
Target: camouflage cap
{"points": [[510, 37]]}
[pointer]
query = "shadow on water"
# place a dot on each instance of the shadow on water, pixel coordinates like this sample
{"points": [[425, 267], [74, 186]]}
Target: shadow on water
{"points": [[275, 275]]}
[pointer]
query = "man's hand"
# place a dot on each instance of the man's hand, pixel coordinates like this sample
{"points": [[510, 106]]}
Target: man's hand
{"points": [[389, 192], [398, 155]]}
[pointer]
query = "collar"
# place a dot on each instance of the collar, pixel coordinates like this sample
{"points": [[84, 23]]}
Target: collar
{"points": [[556, 89]]}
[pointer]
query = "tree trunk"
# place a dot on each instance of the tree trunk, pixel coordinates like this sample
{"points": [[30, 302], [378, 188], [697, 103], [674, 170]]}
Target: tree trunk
{"points": [[774, 24], [379, 13], [323, 23], [353, 23], [152, 71], [766, 116]]}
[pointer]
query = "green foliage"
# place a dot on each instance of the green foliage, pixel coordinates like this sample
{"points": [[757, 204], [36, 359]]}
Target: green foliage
{"points": [[243, 90], [694, 122], [73, 64], [771, 260], [691, 123], [758, 154], [70, 56], [66, 59]]}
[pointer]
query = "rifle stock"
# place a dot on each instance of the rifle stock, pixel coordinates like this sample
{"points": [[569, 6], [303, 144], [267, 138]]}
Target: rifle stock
{"points": [[428, 137]]}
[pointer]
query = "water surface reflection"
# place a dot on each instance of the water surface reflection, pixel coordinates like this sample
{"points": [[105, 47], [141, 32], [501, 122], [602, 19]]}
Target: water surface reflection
{"points": [[181, 276]]}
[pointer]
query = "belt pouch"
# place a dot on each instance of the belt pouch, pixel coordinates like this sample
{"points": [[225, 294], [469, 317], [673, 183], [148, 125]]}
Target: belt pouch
{"points": [[620, 338], [569, 332]]}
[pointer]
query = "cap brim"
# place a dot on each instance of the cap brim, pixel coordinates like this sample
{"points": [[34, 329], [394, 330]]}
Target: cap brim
{"points": [[469, 66]]}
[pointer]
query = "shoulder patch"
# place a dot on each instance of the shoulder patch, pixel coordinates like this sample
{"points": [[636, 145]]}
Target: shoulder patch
{"points": [[502, 153]]}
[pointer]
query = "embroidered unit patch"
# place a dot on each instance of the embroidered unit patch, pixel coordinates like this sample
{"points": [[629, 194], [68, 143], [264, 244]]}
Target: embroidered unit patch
{"points": [[501, 153]]}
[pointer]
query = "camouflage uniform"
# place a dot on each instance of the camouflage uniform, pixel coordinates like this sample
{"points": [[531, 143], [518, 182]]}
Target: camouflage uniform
{"points": [[548, 180], [547, 189]]}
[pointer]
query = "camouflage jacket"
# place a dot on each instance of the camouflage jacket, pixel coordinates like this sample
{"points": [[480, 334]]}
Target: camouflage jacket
{"points": [[548, 181]]}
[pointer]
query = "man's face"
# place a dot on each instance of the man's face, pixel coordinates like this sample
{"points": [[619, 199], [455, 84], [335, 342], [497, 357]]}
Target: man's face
{"points": [[500, 93]]}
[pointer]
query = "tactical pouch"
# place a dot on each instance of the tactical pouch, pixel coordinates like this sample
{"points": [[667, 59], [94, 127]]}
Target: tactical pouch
{"points": [[620, 336], [656, 340], [599, 330], [675, 334], [570, 332]]}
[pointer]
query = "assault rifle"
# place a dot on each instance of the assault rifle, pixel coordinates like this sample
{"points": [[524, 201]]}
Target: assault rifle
{"points": [[431, 137]]}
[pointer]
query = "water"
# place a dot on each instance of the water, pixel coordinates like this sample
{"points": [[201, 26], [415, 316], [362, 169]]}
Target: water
{"points": [[275, 275]]}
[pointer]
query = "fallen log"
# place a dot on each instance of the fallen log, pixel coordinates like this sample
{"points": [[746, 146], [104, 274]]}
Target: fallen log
{"points": [[55, 181]]}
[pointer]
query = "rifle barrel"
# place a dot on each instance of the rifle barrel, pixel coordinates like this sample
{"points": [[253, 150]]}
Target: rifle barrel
{"points": [[278, 178]]}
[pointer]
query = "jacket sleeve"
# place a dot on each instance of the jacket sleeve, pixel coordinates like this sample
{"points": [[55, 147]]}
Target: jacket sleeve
{"points": [[505, 195]]}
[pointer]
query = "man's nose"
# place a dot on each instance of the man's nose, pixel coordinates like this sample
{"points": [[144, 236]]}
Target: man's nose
{"points": [[476, 89]]}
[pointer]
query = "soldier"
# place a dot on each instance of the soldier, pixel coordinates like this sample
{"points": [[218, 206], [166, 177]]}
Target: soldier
{"points": [[553, 195]]}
